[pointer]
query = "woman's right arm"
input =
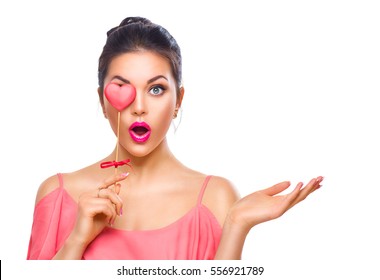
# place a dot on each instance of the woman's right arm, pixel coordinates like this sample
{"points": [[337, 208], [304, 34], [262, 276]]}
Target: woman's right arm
{"points": [[96, 209]]}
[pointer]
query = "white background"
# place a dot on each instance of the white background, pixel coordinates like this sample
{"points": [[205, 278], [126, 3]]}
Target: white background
{"points": [[275, 90]]}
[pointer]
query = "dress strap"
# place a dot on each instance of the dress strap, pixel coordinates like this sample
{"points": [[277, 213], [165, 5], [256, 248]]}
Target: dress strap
{"points": [[60, 178], [203, 189]]}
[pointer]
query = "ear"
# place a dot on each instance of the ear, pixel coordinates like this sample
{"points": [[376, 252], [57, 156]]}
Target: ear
{"points": [[180, 98], [101, 100]]}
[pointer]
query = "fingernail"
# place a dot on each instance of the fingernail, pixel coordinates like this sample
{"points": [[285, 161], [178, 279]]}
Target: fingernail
{"points": [[121, 211], [124, 174]]}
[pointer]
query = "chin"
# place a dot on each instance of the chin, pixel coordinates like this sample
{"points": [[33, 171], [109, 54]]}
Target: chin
{"points": [[145, 149], [139, 150]]}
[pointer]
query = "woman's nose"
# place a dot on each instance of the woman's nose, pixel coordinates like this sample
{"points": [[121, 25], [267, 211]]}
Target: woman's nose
{"points": [[138, 105]]}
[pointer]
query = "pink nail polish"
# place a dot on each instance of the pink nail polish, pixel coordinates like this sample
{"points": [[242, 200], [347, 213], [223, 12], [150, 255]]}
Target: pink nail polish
{"points": [[124, 174], [121, 211]]}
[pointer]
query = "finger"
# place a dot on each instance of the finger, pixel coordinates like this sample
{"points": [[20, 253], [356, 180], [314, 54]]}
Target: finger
{"points": [[114, 179], [114, 187], [317, 184], [308, 189], [319, 181], [111, 213], [108, 209], [103, 207], [117, 188], [113, 197], [291, 197], [276, 189]]}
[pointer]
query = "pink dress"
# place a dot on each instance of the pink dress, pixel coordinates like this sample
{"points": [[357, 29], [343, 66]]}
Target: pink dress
{"points": [[195, 235]]}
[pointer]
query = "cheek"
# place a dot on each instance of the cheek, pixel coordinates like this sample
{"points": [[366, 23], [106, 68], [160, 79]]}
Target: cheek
{"points": [[163, 115], [111, 113]]}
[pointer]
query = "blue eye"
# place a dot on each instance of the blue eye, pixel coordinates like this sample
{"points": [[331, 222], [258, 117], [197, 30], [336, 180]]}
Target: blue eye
{"points": [[156, 90]]}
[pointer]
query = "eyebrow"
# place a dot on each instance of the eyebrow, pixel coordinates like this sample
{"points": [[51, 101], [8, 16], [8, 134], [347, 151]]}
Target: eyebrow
{"points": [[156, 78], [148, 82], [121, 79]]}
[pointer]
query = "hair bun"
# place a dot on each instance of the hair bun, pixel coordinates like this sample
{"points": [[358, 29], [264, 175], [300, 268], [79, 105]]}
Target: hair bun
{"points": [[128, 21]]}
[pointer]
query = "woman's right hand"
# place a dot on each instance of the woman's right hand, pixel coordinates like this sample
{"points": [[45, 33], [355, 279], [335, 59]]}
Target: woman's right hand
{"points": [[97, 209]]}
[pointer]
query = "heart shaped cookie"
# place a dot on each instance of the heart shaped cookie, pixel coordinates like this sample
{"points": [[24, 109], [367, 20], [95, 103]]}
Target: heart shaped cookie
{"points": [[120, 97]]}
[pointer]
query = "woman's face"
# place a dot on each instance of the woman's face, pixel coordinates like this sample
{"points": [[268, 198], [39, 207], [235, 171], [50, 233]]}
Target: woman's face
{"points": [[145, 122]]}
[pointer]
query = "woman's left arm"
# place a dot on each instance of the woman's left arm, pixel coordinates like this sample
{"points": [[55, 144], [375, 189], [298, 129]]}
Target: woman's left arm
{"points": [[256, 208]]}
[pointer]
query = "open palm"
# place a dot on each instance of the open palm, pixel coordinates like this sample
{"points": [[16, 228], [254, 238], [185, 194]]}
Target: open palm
{"points": [[266, 204]]}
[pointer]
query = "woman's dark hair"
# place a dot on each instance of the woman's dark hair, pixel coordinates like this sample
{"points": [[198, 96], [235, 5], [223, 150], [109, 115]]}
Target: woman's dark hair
{"points": [[136, 34]]}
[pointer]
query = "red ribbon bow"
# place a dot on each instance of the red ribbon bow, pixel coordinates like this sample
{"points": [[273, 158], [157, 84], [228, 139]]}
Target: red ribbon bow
{"points": [[115, 163]]}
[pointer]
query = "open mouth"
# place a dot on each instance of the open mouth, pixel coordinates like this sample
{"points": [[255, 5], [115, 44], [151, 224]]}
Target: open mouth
{"points": [[139, 131]]}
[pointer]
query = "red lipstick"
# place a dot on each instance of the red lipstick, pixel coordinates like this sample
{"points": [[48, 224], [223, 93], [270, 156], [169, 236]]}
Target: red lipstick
{"points": [[140, 132]]}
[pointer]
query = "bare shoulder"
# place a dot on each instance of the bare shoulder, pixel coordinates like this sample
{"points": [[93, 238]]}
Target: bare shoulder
{"points": [[74, 183], [222, 189], [47, 186], [219, 197]]}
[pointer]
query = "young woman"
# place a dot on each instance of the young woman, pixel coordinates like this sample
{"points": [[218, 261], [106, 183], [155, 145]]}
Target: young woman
{"points": [[160, 209]]}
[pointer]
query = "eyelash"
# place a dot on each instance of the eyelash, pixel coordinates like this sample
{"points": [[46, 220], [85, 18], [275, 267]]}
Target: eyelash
{"points": [[157, 87], [162, 88]]}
